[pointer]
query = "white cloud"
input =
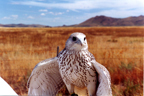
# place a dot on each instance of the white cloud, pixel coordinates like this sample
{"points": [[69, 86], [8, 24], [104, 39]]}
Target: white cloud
{"points": [[41, 0], [6, 17], [51, 13], [43, 14], [14, 17], [119, 13], [30, 17], [56, 13], [43, 10], [87, 4], [59, 13], [67, 10], [101, 6]]}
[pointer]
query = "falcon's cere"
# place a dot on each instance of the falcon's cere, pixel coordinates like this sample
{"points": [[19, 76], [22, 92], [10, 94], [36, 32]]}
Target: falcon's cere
{"points": [[74, 67]]}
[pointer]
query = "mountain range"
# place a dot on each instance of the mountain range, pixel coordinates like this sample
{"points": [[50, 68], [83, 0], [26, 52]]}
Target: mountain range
{"points": [[22, 25], [109, 21], [95, 21]]}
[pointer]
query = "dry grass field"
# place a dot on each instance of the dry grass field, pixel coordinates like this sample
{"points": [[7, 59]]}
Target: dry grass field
{"points": [[120, 49]]}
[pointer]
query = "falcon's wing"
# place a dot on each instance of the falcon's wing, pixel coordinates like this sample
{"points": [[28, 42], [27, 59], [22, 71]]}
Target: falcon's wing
{"points": [[45, 78], [104, 87]]}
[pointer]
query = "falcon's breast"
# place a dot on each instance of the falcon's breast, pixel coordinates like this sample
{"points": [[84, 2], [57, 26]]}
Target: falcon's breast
{"points": [[75, 67]]}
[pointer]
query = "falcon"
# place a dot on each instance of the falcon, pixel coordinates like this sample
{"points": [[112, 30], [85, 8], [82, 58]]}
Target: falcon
{"points": [[74, 67]]}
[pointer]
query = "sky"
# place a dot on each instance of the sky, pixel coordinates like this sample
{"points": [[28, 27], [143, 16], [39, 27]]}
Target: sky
{"points": [[65, 12]]}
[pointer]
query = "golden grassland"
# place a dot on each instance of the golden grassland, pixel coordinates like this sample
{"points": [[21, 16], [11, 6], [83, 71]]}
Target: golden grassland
{"points": [[119, 49]]}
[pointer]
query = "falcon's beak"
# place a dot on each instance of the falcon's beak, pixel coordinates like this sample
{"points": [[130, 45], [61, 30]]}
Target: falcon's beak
{"points": [[79, 42]]}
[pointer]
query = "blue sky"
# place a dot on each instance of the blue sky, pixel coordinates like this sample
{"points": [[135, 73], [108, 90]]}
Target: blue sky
{"points": [[68, 12]]}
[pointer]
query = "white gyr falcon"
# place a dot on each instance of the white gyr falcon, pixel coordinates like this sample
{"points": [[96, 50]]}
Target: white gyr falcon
{"points": [[74, 67]]}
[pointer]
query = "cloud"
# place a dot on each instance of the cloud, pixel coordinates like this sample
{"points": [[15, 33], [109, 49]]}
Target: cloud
{"points": [[43, 10], [14, 17], [59, 13], [6, 18], [67, 10], [87, 4], [41, 0], [43, 14], [30, 17], [56, 13], [79, 4], [51, 13], [119, 13]]}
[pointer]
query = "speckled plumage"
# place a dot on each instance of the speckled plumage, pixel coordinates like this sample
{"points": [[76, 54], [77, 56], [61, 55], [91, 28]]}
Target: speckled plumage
{"points": [[75, 67]]}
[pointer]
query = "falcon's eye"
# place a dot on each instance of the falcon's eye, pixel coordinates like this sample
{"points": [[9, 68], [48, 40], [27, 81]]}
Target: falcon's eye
{"points": [[84, 38], [74, 38]]}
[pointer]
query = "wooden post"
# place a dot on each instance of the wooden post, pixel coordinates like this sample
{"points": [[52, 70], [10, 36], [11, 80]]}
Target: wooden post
{"points": [[57, 50]]}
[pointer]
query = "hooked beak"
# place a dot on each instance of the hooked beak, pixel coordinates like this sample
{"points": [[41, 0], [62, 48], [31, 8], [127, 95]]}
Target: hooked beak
{"points": [[79, 42]]}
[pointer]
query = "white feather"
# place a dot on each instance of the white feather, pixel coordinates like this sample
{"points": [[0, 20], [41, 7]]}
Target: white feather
{"points": [[45, 78], [104, 88]]}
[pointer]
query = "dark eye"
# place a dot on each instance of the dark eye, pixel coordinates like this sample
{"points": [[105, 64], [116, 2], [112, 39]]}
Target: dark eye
{"points": [[74, 38], [84, 38]]}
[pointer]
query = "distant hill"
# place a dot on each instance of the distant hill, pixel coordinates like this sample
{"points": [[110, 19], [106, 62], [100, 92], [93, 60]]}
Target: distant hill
{"points": [[109, 21], [22, 25], [94, 21]]}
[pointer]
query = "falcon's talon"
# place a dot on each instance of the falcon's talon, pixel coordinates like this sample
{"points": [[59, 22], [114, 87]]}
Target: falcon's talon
{"points": [[73, 94]]}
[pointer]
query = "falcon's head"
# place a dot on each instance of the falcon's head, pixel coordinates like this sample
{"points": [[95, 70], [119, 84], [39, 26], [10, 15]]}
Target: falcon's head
{"points": [[77, 41]]}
